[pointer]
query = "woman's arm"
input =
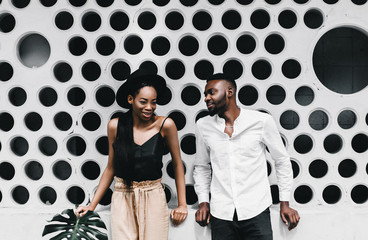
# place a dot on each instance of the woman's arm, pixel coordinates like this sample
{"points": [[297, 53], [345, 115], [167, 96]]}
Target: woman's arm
{"points": [[107, 175], [179, 214]]}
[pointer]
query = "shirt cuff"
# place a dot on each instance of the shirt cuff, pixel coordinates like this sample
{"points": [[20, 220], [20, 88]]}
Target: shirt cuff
{"points": [[203, 197], [284, 196]]}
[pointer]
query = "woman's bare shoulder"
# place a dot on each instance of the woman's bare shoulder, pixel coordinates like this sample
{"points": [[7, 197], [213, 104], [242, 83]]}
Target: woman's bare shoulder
{"points": [[113, 124]]}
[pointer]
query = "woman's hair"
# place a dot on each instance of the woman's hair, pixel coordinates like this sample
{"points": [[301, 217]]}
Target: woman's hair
{"points": [[124, 142]]}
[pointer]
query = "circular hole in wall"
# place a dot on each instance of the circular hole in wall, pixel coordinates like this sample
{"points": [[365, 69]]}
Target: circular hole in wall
{"points": [[104, 3], [47, 195], [47, 96], [106, 199], [7, 22], [175, 69], [63, 72], [261, 69], [48, 3], [231, 19], [20, 3], [202, 20], [19, 146], [303, 144], [90, 170], [167, 193], [33, 121], [289, 119], [269, 168], [318, 168], [76, 96], [291, 68], [296, 168], [276, 94], [275, 194], [165, 97], [313, 18], [77, 3], [63, 121], [47, 146], [64, 20], [17, 96], [33, 170], [304, 95], [202, 114], [161, 3], [91, 121], [91, 21], [133, 44], [188, 45], [332, 143], [105, 46], [331, 194], [359, 194], [77, 46], [6, 71], [260, 19], [203, 69], [359, 2], [120, 70], [188, 3], [330, 1], [303, 194], [179, 118], [273, 2], [119, 21], [287, 19], [342, 66], [318, 120], [105, 96], [191, 195], [6, 121], [75, 195], [170, 169], [346, 119], [248, 95], [174, 20], [133, 2], [160, 46], [216, 2], [233, 68], [217, 45], [76, 145], [190, 95], [246, 44], [147, 20], [62, 170], [102, 145], [274, 43], [33, 50], [187, 144], [244, 2], [20, 195], [149, 66], [7, 171], [360, 143], [347, 168]]}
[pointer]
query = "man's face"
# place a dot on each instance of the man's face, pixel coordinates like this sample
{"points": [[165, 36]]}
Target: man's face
{"points": [[215, 96]]}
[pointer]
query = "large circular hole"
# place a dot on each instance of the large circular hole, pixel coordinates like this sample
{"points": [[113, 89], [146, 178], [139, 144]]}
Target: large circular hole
{"points": [[91, 21], [342, 66], [76, 96], [147, 20], [303, 144], [174, 20], [48, 96], [19, 146], [191, 195], [133, 44], [274, 43], [359, 194], [318, 168], [6, 71], [170, 169], [6, 121], [289, 119], [217, 45], [33, 50], [261, 69], [331, 194], [17, 96], [191, 95], [76, 145], [233, 68], [7, 22], [175, 69], [77, 46], [202, 20], [248, 95], [313, 18], [188, 45], [160, 46], [332, 143], [303, 194], [304, 95], [291, 68], [260, 19], [47, 146], [105, 46], [62, 170], [287, 19], [179, 119], [231, 19], [90, 170], [119, 21], [276, 94], [105, 96], [63, 121], [203, 69], [102, 145], [120, 70], [318, 120], [75, 195], [20, 3], [64, 20], [33, 170], [20, 195], [7, 171], [346, 119], [360, 143], [347, 168], [188, 145], [47, 195], [91, 121], [63, 72], [33, 121], [246, 44]]}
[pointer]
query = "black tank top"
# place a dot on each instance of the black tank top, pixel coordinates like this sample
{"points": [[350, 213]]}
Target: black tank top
{"points": [[147, 163]]}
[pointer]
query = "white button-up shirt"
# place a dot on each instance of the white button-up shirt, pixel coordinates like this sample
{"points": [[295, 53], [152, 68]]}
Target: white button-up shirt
{"points": [[234, 170]]}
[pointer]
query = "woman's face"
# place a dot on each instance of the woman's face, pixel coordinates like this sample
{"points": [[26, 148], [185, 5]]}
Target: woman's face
{"points": [[144, 103]]}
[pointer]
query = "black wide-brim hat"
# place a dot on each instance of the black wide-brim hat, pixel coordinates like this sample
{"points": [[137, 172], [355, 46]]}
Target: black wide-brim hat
{"points": [[135, 79]]}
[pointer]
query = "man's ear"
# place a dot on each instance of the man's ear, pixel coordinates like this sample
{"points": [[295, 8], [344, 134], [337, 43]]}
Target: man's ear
{"points": [[130, 99], [230, 92]]}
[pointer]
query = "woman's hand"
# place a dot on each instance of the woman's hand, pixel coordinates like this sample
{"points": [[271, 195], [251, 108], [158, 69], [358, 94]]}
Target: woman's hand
{"points": [[81, 210], [178, 215]]}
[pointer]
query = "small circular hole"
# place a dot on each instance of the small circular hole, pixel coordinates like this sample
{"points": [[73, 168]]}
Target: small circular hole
{"points": [[120, 70], [203, 69], [20, 3], [64, 20], [47, 195], [7, 22], [48, 96], [90, 170], [347, 168], [360, 143], [289, 119], [202, 20], [47, 146], [105, 46], [174, 20], [191, 95], [147, 20], [217, 45], [34, 170], [246, 44], [19, 146], [175, 69], [179, 119], [188, 144], [91, 121], [170, 169], [303, 144], [275, 194], [260, 19], [76, 146], [7, 171], [188, 45], [76, 96], [287, 19], [332, 143], [63, 72], [17, 96], [304, 95], [6, 121], [313, 18], [77, 3], [48, 3], [233, 68], [102, 145], [261, 69], [133, 44], [276, 95], [318, 120], [62, 170], [106, 199], [105, 96], [291, 68], [160, 46], [248, 95], [20, 195], [77, 46], [359, 194], [274, 43], [231, 19], [63, 121], [346, 119], [75, 195], [6, 71], [303, 194], [33, 121], [191, 195], [119, 21], [91, 21], [331, 194], [318, 168]]}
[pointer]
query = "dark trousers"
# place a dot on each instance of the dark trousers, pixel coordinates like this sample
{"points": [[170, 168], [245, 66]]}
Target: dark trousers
{"points": [[257, 228]]}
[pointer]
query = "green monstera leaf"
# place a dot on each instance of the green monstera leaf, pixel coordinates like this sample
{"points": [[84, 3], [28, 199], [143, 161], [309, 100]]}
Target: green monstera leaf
{"points": [[74, 228]]}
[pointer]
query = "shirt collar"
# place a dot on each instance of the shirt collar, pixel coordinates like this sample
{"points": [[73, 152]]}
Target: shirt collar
{"points": [[221, 121]]}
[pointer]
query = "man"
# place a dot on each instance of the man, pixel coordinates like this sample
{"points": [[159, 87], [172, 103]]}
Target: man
{"points": [[231, 167]]}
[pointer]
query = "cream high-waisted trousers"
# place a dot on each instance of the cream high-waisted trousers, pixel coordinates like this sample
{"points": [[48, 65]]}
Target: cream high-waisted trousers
{"points": [[139, 212]]}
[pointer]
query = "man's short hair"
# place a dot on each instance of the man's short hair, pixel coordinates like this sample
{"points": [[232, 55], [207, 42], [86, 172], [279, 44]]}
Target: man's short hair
{"points": [[221, 76]]}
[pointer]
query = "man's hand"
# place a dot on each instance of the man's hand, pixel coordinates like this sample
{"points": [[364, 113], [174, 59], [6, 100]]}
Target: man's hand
{"points": [[288, 215], [203, 214]]}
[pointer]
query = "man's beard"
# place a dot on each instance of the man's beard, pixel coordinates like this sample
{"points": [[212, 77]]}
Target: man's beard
{"points": [[217, 109]]}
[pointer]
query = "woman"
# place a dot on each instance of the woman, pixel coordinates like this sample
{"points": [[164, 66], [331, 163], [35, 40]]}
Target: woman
{"points": [[136, 146]]}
